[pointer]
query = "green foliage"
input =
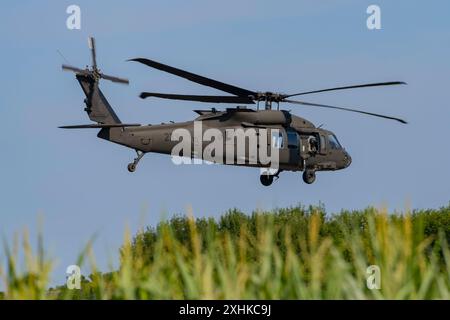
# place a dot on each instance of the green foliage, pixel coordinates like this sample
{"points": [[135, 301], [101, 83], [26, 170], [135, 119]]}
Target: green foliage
{"points": [[296, 220], [293, 253]]}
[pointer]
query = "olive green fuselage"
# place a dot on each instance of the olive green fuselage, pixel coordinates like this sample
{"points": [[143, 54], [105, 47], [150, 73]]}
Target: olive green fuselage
{"points": [[296, 150]]}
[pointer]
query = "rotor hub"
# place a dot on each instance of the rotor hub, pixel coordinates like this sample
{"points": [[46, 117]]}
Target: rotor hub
{"points": [[269, 96]]}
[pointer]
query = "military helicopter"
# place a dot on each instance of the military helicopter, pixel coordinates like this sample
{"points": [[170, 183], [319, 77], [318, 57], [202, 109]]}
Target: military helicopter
{"points": [[301, 145]]}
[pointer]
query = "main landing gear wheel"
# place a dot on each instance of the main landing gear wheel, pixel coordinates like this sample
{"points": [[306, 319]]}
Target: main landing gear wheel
{"points": [[266, 180], [132, 166], [309, 176]]}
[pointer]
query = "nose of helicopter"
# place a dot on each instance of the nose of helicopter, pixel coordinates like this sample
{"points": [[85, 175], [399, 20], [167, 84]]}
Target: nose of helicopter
{"points": [[347, 159]]}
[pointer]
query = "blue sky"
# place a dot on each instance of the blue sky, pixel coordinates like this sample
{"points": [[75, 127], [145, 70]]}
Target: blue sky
{"points": [[79, 184]]}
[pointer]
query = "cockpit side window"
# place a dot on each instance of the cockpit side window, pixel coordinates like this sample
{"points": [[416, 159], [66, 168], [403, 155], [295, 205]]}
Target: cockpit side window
{"points": [[333, 142]]}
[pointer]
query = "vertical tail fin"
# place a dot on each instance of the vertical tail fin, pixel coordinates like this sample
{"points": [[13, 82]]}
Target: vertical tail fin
{"points": [[97, 107]]}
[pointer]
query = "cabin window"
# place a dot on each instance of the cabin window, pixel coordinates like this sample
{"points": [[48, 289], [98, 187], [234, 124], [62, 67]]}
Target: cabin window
{"points": [[277, 140]]}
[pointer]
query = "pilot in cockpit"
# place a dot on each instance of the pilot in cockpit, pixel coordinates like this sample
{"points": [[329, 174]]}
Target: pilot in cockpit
{"points": [[313, 145]]}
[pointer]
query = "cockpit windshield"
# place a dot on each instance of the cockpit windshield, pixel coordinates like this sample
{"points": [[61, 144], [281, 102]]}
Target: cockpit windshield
{"points": [[333, 142]]}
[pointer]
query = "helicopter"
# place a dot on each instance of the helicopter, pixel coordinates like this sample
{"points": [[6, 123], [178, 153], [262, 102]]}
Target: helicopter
{"points": [[300, 145]]}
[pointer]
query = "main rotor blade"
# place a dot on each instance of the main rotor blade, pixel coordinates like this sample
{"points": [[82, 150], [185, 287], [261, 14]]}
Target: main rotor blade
{"points": [[91, 42], [199, 98], [393, 83], [196, 78], [74, 69], [345, 109], [114, 79]]}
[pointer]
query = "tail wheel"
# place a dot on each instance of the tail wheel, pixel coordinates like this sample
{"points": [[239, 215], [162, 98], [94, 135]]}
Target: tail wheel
{"points": [[131, 167], [309, 176], [266, 180]]}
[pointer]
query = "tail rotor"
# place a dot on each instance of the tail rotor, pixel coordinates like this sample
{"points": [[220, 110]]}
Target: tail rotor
{"points": [[94, 72]]}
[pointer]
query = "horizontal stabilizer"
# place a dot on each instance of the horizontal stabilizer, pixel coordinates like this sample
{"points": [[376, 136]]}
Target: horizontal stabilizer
{"points": [[99, 126]]}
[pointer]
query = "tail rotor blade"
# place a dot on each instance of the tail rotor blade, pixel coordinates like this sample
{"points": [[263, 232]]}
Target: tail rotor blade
{"points": [[115, 79], [66, 67], [91, 42]]}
